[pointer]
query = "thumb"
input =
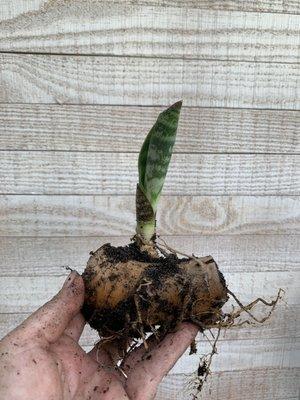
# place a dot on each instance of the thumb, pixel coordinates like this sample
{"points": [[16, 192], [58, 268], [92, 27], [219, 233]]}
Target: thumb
{"points": [[49, 322]]}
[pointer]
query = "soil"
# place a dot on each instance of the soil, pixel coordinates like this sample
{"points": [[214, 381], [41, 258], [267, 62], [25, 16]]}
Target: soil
{"points": [[129, 291]]}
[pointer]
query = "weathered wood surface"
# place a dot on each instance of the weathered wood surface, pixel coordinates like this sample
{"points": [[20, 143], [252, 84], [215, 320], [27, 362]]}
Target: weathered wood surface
{"points": [[247, 354], [25, 294], [241, 208], [250, 384], [286, 6], [148, 31], [147, 81], [243, 355], [98, 128], [116, 173], [283, 324], [36, 256], [178, 215], [11, 10]]}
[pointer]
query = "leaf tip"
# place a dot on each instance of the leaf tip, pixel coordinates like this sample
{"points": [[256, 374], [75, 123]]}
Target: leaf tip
{"points": [[176, 106]]}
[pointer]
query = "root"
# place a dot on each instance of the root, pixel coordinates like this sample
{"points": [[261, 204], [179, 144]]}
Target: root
{"points": [[225, 322], [228, 320], [140, 322], [251, 305], [203, 371], [173, 251], [193, 348]]}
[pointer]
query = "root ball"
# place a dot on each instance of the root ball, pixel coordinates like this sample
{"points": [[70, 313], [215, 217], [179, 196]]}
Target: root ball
{"points": [[129, 291]]}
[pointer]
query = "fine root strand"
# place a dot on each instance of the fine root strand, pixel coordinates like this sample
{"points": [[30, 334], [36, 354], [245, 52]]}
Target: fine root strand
{"points": [[140, 321]]}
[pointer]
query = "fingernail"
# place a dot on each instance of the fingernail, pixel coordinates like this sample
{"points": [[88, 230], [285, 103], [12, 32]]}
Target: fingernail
{"points": [[70, 279]]}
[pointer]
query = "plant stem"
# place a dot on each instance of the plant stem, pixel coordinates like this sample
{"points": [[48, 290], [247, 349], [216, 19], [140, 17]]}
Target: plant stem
{"points": [[146, 229], [145, 216]]}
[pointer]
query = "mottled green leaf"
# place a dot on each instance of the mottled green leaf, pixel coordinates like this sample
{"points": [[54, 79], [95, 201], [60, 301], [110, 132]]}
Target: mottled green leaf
{"points": [[156, 153]]}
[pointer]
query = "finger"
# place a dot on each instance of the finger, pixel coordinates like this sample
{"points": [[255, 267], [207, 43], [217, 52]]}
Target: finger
{"points": [[75, 327], [170, 349], [50, 321], [138, 353], [149, 372]]}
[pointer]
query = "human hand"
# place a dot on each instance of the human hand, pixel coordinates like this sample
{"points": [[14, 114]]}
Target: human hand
{"points": [[41, 358]]}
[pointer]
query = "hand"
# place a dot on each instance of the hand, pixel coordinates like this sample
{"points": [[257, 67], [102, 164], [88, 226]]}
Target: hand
{"points": [[41, 358]]}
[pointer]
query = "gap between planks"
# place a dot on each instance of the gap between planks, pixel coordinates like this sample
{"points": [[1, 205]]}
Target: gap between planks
{"points": [[156, 105], [238, 153], [279, 195], [36, 53]]}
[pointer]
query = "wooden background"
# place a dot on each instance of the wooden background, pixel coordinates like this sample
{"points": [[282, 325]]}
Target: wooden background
{"points": [[81, 82]]}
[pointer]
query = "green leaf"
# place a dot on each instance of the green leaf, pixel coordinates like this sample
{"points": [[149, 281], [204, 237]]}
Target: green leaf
{"points": [[156, 153]]}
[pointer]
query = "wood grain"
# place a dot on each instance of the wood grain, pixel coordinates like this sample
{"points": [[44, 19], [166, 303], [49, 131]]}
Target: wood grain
{"points": [[12, 10], [258, 384], [178, 215], [246, 354], [283, 324], [235, 68], [141, 30], [147, 81], [25, 294], [99, 128], [36, 256], [116, 173], [243, 355]]}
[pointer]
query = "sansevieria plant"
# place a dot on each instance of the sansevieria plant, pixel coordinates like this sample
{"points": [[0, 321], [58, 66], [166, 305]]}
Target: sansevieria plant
{"points": [[132, 288], [140, 287]]}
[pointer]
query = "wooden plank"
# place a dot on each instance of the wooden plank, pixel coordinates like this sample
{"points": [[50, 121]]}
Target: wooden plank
{"points": [[276, 6], [283, 324], [116, 173], [99, 128], [36, 256], [258, 384], [141, 30], [177, 215], [246, 354], [25, 294], [233, 354], [9, 321], [147, 81], [243, 355], [11, 10]]}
